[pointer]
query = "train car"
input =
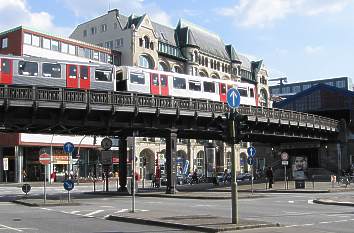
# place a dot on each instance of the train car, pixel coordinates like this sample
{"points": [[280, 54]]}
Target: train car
{"points": [[35, 71], [163, 83]]}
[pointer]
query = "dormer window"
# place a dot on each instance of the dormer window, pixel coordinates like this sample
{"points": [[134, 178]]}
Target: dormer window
{"points": [[146, 42]]}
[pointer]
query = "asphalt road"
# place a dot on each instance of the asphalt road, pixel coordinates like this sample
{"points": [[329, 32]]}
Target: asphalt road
{"points": [[295, 212]]}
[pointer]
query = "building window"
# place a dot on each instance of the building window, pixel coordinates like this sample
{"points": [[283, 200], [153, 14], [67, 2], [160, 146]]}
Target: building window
{"points": [[87, 53], [152, 46], [141, 42], [275, 91], [341, 84], [46, 43], [80, 52], [329, 83], [72, 49], [306, 86], [35, 41], [55, 45], [103, 27], [93, 30], [103, 57], [145, 62], [163, 66], [4, 43], [285, 90], [109, 44], [146, 42], [27, 38], [95, 55], [119, 43], [64, 48], [296, 89], [85, 33], [177, 69]]}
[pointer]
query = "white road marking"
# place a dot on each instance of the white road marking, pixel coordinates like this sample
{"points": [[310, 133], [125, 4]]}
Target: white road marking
{"points": [[292, 202], [338, 215], [121, 211], [323, 222], [11, 228], [153, 202], [75, 212], [43, 208], [92, 213], [6, 203], [309, 201], [106, 206], [201, 205]]}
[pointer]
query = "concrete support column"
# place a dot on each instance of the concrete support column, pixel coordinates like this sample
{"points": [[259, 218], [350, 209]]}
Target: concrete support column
{"points": [[123, 164], [171, 155], [1, 165], [18, 164]]}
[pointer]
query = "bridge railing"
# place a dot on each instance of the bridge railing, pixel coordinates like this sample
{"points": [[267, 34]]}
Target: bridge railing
{"points": [[151, 101]]}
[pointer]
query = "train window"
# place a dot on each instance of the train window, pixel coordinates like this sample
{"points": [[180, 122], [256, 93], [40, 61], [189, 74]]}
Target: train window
{"points": [[46, 43], [103, 75], [209, 87], [35, 41], [84, 72], [137, 78], [51, 70], [72, 71], [179, 83], [27, 68], [243, 92], [5, 66], [251, 92], [163, 80], [223, 88], [155, 79], [194, 85]]}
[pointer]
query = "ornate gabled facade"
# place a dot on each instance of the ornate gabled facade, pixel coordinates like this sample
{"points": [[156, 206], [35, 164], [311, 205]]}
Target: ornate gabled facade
{"points": [[188, 49]]}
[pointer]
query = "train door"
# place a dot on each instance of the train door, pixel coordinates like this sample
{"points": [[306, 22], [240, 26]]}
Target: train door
{"points": [[164, 84], [6, 71], [71, 76], [223, 91], [84, 77], [154, 84]]}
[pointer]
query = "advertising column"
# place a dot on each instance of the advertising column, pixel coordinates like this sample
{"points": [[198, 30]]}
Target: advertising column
{"points": [[210, 154]]}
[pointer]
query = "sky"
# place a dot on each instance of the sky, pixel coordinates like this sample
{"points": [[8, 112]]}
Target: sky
{"points": [[300, 39]]}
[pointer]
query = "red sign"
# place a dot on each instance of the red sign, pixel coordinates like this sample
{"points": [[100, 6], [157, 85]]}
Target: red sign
{"points": [[115, 160], [44, 159]]}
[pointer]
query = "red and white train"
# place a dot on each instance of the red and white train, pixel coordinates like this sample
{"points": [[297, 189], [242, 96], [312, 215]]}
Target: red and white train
{"points": [[35, 71]]}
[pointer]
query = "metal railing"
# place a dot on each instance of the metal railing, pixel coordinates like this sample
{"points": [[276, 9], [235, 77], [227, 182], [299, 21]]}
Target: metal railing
{"points": [[143, 100]]}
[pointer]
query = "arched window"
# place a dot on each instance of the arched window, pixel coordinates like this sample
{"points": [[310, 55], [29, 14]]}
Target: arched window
{"points": [[151, 45], [202, 73], [196, 56], [163, 66], [215, 76], [206, 62], [146, 62], [147, 42]]}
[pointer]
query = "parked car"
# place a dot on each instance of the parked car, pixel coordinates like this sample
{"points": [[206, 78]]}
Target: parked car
{"points": [[244, 177]]}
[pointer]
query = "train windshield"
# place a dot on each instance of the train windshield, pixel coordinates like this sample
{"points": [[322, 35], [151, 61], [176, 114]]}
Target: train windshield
{"points": [[27, 68], [103, 75], [5, 66]]}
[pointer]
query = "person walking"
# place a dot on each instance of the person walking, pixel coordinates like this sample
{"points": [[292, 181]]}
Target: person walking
{"points": [[269, 175]]}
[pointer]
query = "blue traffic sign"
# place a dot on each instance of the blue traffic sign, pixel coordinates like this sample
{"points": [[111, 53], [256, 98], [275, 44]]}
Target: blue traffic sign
{"points": [[250, 160], [68, 185], [69, 147], [233, 98], [251, 151]]}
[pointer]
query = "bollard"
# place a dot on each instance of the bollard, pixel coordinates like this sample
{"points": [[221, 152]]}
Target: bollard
{"points": [[117, 184], [313, 182], [94, 185]]}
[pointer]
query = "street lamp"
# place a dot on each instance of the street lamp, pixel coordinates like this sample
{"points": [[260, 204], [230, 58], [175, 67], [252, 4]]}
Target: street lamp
{"points": [[78, 160]]}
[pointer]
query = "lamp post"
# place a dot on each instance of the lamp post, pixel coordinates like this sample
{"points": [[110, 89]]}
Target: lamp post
{"points": [[78, 161], [51, 160]]}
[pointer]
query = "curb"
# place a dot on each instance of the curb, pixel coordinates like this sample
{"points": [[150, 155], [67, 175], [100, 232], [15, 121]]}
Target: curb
{"points": [[197, 197], [331, 202], [47, 204], [188, 227]]}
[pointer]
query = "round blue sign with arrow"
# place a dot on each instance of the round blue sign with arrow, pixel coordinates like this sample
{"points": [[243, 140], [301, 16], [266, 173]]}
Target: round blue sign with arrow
{"points": [[69, 147], [233, 98], [251, 151], [68, 185]]}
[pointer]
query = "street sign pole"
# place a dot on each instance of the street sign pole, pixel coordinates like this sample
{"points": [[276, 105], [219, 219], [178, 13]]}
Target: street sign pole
{"points": [[234, 192], [44, 188], [285, 177], [233, 101], [252, 178]]}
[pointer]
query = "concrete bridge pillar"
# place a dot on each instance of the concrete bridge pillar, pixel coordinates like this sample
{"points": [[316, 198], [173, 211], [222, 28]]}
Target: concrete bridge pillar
{"points": [[1, 165], [171, 155], [123, 164], [18, 164]]}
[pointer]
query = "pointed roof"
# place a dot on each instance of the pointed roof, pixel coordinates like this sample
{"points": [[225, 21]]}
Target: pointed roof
{"points": [[165, 34], [232, 53], [190, 34]]}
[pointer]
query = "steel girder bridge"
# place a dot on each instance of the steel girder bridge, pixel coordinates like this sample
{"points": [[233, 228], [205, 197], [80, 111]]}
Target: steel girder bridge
{"points": [[80, 112]]}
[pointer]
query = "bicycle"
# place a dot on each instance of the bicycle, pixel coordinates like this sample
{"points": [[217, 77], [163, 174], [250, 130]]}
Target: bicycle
{"points": [[344, 180]]}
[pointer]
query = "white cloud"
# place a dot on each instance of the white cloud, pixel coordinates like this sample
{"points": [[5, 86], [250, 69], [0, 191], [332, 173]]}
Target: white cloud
{"points": [[261, 13], [14, 13], [88, 9], [313, 49], [281, 51]]}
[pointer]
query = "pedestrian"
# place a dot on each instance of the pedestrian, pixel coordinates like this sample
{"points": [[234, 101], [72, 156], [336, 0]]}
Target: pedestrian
{"points": [[24, 175], [225, 176], [269, 175]]}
